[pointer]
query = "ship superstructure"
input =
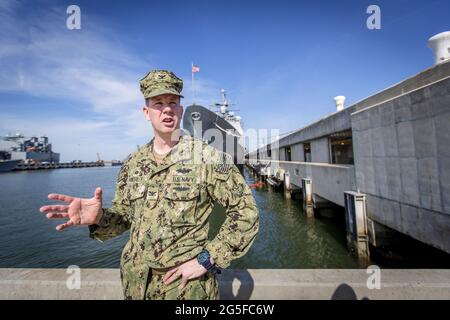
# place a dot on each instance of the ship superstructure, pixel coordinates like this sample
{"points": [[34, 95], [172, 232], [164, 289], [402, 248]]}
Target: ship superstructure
{"points": [[220, 128], [27, 149]]}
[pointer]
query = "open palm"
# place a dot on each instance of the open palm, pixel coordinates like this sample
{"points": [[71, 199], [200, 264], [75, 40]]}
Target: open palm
{"points": [[79, 211]]}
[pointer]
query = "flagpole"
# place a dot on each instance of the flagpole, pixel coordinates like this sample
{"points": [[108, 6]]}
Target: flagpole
{"points": [[193, 87]]}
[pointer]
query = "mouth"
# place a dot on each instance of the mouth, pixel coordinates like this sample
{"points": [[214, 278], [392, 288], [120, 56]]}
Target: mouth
{"points": [[168, 122]]}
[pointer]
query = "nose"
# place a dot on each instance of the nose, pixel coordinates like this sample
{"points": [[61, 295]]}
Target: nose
{"points": [[167, 109]]}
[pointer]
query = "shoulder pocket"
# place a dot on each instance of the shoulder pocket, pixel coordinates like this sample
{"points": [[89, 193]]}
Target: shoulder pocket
{"points": [[136, 199]]}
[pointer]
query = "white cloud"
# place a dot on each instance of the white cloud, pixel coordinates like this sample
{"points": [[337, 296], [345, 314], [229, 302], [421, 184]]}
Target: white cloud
{"points": [[43, 58], [39, 57]]}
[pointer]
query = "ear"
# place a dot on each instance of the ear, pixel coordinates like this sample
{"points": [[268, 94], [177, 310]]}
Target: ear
{"points": [[146, 113]]}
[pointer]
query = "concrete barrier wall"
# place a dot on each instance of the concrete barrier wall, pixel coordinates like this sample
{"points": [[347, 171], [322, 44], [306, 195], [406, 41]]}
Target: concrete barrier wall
{"points": [[402, 162], [276, 284]]}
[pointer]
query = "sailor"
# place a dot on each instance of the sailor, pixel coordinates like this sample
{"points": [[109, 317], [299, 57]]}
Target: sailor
{"points": [[164, 195]]}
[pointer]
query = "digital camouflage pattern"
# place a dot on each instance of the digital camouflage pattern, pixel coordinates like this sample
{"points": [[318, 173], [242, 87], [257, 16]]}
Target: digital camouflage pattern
{"points": [[167, 207], [204, 288], [158, 82]]}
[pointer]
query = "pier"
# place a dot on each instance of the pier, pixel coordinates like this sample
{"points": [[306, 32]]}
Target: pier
{"points": [[385, 159], [63, 165], [23, 166]]}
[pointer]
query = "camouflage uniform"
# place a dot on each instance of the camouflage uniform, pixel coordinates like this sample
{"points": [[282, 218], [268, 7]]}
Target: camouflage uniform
{"points": [[167, 206]]}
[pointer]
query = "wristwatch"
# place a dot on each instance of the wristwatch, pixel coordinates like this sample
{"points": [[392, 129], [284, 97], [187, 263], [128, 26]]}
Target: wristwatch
{"points": [[204, 259]]}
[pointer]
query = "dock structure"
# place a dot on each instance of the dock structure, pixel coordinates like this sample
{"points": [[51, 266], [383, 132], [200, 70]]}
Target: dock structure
{"points": [[386, 159], [30, 166], [60, 165]]}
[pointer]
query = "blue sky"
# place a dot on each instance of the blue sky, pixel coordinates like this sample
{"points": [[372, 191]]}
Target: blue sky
{"points": [[282, 62]]}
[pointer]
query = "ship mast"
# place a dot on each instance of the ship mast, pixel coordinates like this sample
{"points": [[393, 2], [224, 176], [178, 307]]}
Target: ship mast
{"points": [[224, 106]]}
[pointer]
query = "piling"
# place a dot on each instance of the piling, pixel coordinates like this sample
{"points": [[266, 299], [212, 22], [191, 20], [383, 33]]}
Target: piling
{"points": [[287, 185], [308, 203], [356, 224]]}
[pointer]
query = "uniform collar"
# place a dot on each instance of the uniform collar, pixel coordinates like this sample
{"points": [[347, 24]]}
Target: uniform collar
{"points": [[181, 151]]}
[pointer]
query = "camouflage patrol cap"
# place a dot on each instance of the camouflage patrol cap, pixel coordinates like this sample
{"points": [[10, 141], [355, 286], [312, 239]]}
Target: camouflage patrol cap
{"points": [[158, 82]]}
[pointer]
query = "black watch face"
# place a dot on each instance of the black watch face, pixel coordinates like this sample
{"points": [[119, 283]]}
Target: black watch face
{"points": [[203, 257]]}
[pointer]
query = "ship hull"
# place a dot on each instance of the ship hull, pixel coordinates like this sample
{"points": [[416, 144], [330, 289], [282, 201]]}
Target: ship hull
{"points": [[8, 165], [205, 124]]}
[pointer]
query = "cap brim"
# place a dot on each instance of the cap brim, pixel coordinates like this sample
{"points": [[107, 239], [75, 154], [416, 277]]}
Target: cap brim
{"points": [[164, 91]]}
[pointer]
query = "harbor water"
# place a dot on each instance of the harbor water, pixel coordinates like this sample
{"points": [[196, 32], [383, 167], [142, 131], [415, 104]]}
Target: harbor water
{"points": [[287, 239]]}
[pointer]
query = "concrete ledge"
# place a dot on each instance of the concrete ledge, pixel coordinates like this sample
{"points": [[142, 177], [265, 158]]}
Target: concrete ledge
{"points": [[277, 284]]}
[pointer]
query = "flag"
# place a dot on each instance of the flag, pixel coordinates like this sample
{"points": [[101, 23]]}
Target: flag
{"points": [[195, 68]]}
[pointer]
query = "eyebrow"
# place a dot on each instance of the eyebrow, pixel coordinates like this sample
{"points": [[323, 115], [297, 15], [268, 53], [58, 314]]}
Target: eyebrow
{"points": [[170, 99]]}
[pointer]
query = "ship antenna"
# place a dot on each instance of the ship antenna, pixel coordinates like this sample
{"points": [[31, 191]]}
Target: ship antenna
{"points": [[224, 106], [224, 97]]}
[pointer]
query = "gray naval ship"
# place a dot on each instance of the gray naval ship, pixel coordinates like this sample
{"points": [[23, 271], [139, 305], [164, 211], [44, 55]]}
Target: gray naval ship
{"points": [[16, 149], [220, 128]]}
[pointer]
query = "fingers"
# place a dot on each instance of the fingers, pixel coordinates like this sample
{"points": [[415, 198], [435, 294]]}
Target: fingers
{"points": [[60, 197], [184, 281], [168, 274], [63, 226], [55, 212], [171, 276], [98, 193], [55, 208], [54, 215]]}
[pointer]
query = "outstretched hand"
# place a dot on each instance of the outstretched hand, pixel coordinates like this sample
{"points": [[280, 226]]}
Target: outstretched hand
{"points": [[79, 211]]}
